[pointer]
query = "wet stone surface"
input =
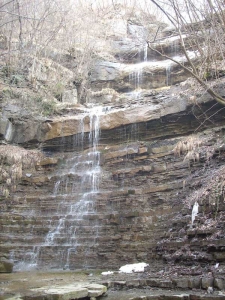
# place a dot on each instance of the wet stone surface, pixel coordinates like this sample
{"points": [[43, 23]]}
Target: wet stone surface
{"points": [[66, 285]]}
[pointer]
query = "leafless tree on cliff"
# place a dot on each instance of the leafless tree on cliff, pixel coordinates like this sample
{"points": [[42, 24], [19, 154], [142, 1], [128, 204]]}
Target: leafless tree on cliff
{"points": [[200, 27], [34, 29]]}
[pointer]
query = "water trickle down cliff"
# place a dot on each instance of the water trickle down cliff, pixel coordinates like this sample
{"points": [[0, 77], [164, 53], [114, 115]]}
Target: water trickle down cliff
{"points": [[76, 183], [141, 210]]}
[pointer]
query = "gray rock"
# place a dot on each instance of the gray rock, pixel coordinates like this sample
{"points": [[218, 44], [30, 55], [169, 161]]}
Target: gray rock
{"points": [[166, 284], [181, 283], [133, 283], [219, 283], [67, 292], [3, 125], [194, 283], [3, 42], [105, 71], [70, 96], [207, 282]]}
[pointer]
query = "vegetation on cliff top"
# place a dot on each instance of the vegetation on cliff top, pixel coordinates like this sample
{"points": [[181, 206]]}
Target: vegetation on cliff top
{"points": [[75, 34]]}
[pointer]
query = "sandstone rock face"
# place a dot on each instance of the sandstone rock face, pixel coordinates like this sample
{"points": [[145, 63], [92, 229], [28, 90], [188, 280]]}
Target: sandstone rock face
{"points": [[139, 212], [142, 164]]}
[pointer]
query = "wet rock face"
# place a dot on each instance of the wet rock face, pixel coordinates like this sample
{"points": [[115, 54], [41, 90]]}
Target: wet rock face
{"points": [[145, 75], [139, 211], [136, 193], [6, 266]]}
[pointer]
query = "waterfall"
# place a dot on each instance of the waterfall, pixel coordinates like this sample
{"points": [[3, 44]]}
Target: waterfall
{"points": [[168, 74], [77, 184], [136, 77]]}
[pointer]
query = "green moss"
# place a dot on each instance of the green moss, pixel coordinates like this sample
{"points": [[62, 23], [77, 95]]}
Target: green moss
{"points": [[58, 90], [131, 192], [48, 108]]}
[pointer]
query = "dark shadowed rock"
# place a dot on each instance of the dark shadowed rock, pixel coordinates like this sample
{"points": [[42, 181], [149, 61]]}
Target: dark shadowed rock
{"points": [[6, 266]]}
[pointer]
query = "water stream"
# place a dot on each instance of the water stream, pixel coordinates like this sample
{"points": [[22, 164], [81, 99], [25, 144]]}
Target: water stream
{"points": [[136, 76], [76, 185]]}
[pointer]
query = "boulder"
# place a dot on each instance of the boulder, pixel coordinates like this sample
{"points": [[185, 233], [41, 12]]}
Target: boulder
{"points": [[6, 266], [219, 283], [194, 283], [96, 290], [181, 283], [207, 282], [67, 292], [48, 161]]}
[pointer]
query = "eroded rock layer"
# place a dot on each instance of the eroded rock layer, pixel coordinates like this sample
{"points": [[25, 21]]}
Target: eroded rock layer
{"points": [[120, 175], [142, 208]]}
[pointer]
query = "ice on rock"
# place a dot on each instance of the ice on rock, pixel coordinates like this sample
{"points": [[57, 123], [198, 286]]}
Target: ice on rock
{"points": [[194, 212]]}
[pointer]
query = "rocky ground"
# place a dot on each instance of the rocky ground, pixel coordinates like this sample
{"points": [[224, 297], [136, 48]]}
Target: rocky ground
{"points": [[120, 286]]}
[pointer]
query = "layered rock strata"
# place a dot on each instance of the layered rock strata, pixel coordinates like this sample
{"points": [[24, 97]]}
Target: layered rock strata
{"points": [[152, 150], [142, 210]]}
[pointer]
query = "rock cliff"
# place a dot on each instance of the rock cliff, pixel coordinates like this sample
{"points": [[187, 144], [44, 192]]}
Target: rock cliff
{"points": [[117, 185]]}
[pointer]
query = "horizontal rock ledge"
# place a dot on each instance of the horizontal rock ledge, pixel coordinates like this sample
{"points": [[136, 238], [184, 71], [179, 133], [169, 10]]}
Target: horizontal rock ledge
{"points": [[67, 292]]}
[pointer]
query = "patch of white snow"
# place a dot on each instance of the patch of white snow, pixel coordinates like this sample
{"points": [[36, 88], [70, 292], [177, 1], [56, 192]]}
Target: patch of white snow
{"points": [[107, 273], [139, 267]]}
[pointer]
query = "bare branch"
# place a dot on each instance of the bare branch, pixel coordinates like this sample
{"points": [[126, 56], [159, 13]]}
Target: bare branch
{"points": [[6, 3], [14, 14], [215, 95]]}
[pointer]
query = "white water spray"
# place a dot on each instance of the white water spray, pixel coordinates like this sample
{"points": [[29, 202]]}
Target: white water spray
{"points": [[77, 185]]}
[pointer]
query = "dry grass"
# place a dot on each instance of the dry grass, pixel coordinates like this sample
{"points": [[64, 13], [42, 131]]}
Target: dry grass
{"points": [[189, 146], [13, 161], [212, 190]]}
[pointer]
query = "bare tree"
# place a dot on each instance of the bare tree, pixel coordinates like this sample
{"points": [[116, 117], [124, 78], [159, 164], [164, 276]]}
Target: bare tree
{"points": [[200, 27], [35, 28]]}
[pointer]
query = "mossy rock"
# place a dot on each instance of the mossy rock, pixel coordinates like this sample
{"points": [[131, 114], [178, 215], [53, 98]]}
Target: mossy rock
{"points": [[6, 266]]}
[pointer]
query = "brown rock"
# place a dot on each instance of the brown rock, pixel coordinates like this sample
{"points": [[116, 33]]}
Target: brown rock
{"points": [[194, 283], [142, 150], [133, 283], [181, 283], [207, 282], [48, 161], [6, 266]]}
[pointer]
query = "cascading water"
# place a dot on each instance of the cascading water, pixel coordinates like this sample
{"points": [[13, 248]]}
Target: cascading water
{"points": [[136, 77], [76, 186], [168, 74]]}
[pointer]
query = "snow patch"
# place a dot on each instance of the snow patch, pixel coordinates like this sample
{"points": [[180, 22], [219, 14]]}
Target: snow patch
{"points": [[139, 267], [107, 273]]}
